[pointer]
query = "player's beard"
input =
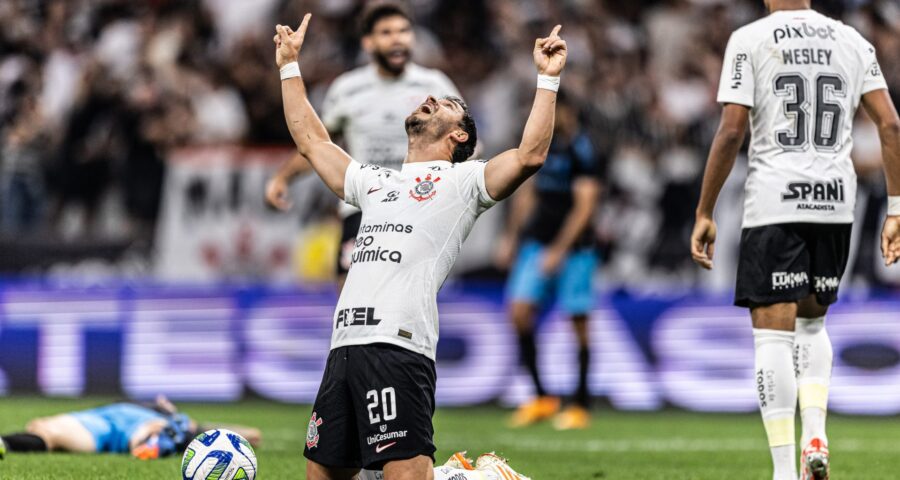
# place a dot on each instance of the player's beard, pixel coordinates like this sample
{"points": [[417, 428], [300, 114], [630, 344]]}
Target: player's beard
{"points": [[415, 126], [428, 129], [381, 58]]}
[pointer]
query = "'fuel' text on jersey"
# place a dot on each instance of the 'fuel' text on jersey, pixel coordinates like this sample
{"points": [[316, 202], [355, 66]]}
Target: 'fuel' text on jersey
{"points": [[414, 222]]}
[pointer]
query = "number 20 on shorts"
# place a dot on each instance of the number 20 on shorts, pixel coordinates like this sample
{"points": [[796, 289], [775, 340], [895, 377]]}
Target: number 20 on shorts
{"points": [[388, 405]]}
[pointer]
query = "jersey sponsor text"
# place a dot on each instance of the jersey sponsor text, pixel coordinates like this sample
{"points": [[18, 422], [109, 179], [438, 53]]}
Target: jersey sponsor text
{"points": [[802, 76], [357, 316]]}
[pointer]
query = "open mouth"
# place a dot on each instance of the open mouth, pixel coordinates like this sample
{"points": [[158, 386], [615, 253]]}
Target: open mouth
{"points": [[398, 55], [426, 108]]}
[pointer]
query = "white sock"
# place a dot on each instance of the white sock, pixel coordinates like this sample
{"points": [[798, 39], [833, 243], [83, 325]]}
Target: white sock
{"points": [[450, 473], [776, 386], [813, 356], [440, 473]]}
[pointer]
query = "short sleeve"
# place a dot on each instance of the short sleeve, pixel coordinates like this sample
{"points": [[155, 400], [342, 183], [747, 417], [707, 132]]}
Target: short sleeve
{"points": [[332, 110], [873, 78], [587, 163], [356, 179], [472, 185], [737, 84]]}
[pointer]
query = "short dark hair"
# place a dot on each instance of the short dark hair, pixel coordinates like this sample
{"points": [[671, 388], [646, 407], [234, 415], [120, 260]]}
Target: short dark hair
{"points": [[464, 150], [376, 11]]}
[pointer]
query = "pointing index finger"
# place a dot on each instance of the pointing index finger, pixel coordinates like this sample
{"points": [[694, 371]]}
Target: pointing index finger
{"points": [[302, 28], [556, 30]]}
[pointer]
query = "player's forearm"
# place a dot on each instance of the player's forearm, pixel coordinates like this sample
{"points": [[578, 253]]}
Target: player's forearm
{"points": [[538, 130], [304, 125], [722, 155], [522, 204], [311, 137], [296, 166], [574, 225], [586, 193], [890, 151]]}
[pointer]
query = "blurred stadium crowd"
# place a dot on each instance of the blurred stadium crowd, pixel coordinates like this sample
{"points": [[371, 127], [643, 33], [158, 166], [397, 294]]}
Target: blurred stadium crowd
{"points": [[95, 93]]}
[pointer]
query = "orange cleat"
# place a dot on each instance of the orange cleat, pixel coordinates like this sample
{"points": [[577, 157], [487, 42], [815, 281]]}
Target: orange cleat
{"points": [[146, 451], [539, 409], [499, 466], [459, 461], [814, 463], [575, 417]]}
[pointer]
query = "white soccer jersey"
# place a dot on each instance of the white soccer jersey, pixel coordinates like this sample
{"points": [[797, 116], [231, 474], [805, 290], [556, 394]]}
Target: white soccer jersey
{"points": [[802, 74], [370, 111], [414, 222]]}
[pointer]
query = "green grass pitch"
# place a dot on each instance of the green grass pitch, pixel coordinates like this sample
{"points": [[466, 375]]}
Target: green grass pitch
{"points": [[668, 445]]}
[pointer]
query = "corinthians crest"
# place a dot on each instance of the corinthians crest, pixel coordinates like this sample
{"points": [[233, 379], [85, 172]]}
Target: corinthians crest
{"points": [[312, 431], [424, 189]]}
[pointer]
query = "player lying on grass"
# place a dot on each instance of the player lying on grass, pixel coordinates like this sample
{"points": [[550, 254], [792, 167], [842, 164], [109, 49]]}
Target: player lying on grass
{"points": [[147, 432], [376, 400]]}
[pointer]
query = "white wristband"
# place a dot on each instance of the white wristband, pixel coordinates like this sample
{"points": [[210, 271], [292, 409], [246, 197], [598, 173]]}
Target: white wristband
{"points": [[548, 83], [290, 70], [894, 205]]}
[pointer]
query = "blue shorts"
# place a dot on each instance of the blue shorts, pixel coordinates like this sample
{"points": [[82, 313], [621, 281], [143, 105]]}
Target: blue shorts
{"points": [[572, 285], [113, 425]]}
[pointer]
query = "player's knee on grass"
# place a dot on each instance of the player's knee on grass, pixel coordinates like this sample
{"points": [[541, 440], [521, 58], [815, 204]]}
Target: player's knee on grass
{"points": [[417, 468], [315, 471], [63, 433], [42, 427], [253, 435], [779, 316]]}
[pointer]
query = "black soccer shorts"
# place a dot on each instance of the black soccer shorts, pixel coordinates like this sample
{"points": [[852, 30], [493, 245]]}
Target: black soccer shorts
{"points": [[374, 405], [788, 262], [349, 230]]}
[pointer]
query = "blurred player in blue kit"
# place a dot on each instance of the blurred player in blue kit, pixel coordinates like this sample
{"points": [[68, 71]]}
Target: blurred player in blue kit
{"points": [[550, 227]]}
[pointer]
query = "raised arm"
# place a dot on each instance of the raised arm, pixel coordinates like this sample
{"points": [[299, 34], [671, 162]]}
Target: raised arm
{"points": [[327, 159], [505, 172], [722, 154], [880, 108]]}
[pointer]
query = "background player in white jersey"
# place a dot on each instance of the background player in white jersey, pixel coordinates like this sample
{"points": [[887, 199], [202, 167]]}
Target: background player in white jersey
{"points": [[799, 77], [376, 400], [366, 107]]}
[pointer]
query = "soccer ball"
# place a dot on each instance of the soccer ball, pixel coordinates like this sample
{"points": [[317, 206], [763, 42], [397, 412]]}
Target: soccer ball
{"points": [[218, 455]]}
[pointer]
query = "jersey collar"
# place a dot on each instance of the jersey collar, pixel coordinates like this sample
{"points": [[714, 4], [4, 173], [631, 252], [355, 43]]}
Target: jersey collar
{"points": [[432, 163]]}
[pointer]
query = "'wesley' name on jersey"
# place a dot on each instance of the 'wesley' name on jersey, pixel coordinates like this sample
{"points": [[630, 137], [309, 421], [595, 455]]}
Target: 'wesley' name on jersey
{"points": [[806, 56]]}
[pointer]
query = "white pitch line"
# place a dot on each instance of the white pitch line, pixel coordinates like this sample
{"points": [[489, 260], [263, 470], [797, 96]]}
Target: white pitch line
{"points": [[671, 444], [679, 444]]}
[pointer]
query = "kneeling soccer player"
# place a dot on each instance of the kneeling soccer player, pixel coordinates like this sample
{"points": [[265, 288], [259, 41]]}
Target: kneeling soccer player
{"points": [[376, 400]]}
